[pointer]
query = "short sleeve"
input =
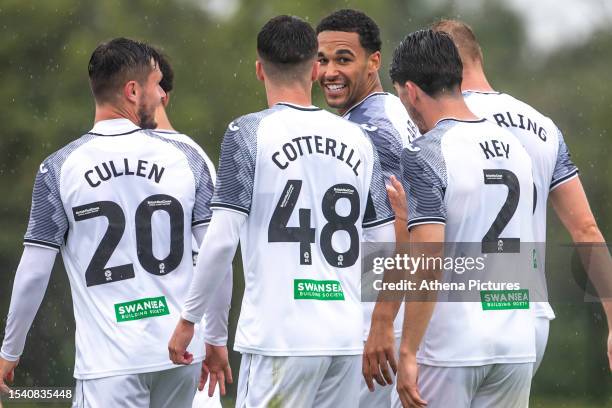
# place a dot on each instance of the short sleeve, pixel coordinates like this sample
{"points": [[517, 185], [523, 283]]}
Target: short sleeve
{"points": [[565, 169], [48, 222], [236, 175], [205, 186], [389, 147], [424, 181], [378, 209]]}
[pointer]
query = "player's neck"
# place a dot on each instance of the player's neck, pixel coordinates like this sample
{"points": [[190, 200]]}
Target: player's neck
{"points": [[474, 79], [161, 118], [295, 95], [108, 112], [447, 107], [373, 86]]}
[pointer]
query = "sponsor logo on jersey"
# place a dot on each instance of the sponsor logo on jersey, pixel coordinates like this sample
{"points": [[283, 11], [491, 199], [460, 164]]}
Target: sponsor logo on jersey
{"points": [[43, 168], [233, 127], [141, 309], [317, 289], [504, 299]]}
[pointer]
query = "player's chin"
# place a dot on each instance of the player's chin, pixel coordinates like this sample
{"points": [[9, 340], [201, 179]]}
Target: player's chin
{"points": [[335, 101]]}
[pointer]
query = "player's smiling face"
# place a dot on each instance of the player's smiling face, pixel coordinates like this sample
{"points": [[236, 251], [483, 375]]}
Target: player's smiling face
{"points": [[343, 70]]}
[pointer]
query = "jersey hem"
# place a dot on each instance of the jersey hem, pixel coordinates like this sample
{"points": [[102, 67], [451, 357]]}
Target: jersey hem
{"points": [[133, 370], [201, 222], [530, 358], [556, 183], [230, 207], [39, 243], [305, 353], [426, 220], [378, 223]]}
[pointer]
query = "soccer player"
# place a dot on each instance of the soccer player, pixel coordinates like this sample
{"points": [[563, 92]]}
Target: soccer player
{"points": [[120, 203], [300, 188], [215, 321], [553, 171], [350, 57], [460, 164]]}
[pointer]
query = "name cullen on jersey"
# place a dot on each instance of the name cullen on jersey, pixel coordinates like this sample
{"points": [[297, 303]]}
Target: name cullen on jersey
{"points": [[303, 145], [107, 170]]}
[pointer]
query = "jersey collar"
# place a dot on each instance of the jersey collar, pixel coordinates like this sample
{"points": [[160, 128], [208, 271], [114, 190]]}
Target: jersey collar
{"points": [[113, 127], [362, 101], [481, 92], [460, 120], [299, 107]]}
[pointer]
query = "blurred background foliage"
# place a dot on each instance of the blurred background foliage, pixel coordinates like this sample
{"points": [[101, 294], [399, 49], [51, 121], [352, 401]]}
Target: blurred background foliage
{"points": [[44, 51]]}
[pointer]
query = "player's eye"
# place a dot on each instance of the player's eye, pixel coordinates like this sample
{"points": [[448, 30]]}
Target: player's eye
{"points": [[323, 60], [344, 60]]}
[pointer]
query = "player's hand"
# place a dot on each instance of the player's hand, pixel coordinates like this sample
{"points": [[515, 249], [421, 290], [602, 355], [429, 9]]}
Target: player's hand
{"points": [[177, 347], [407, 388], [397, 198], [379, 354], [7, 374], [217, 366]]}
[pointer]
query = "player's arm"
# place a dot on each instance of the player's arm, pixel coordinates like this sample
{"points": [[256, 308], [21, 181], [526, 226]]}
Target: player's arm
{"points": [[212, 268], [47, 227], [217, 313], [424, 183], [572, 207], [31, 280], [379, 351], [231, 204], [417, 315]]}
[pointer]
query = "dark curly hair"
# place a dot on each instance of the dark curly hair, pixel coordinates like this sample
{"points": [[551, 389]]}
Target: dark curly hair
{"points": [[353, 21]]}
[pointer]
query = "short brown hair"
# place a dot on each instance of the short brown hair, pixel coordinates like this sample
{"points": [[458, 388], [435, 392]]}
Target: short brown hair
{"points": [[116, 62], [463, 37]]}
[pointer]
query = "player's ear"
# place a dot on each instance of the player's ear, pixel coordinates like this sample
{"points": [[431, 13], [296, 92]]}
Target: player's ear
{"points": [[259, 70], [130, 91], [165, 99], [413, 92], [314, 75], [374, 61]]}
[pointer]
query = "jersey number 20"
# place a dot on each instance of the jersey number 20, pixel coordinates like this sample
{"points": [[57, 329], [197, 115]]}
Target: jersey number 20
{"points": [[98, 273]]}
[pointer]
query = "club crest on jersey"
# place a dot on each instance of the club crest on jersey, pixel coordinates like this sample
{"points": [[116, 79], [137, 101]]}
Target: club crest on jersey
{"points": [[233, 127], [369, 128], [413, 148]]}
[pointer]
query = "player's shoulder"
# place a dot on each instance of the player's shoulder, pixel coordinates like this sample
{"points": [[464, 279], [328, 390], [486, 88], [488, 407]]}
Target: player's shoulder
{"points": [[57, 159], [503, 101], [183, 142], [245, 127]]}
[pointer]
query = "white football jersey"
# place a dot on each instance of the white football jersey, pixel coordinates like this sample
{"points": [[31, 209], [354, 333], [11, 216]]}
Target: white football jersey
{"points": [[120, 203], [475, 179], [390, 129], [543, 141], [310, 182]]}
